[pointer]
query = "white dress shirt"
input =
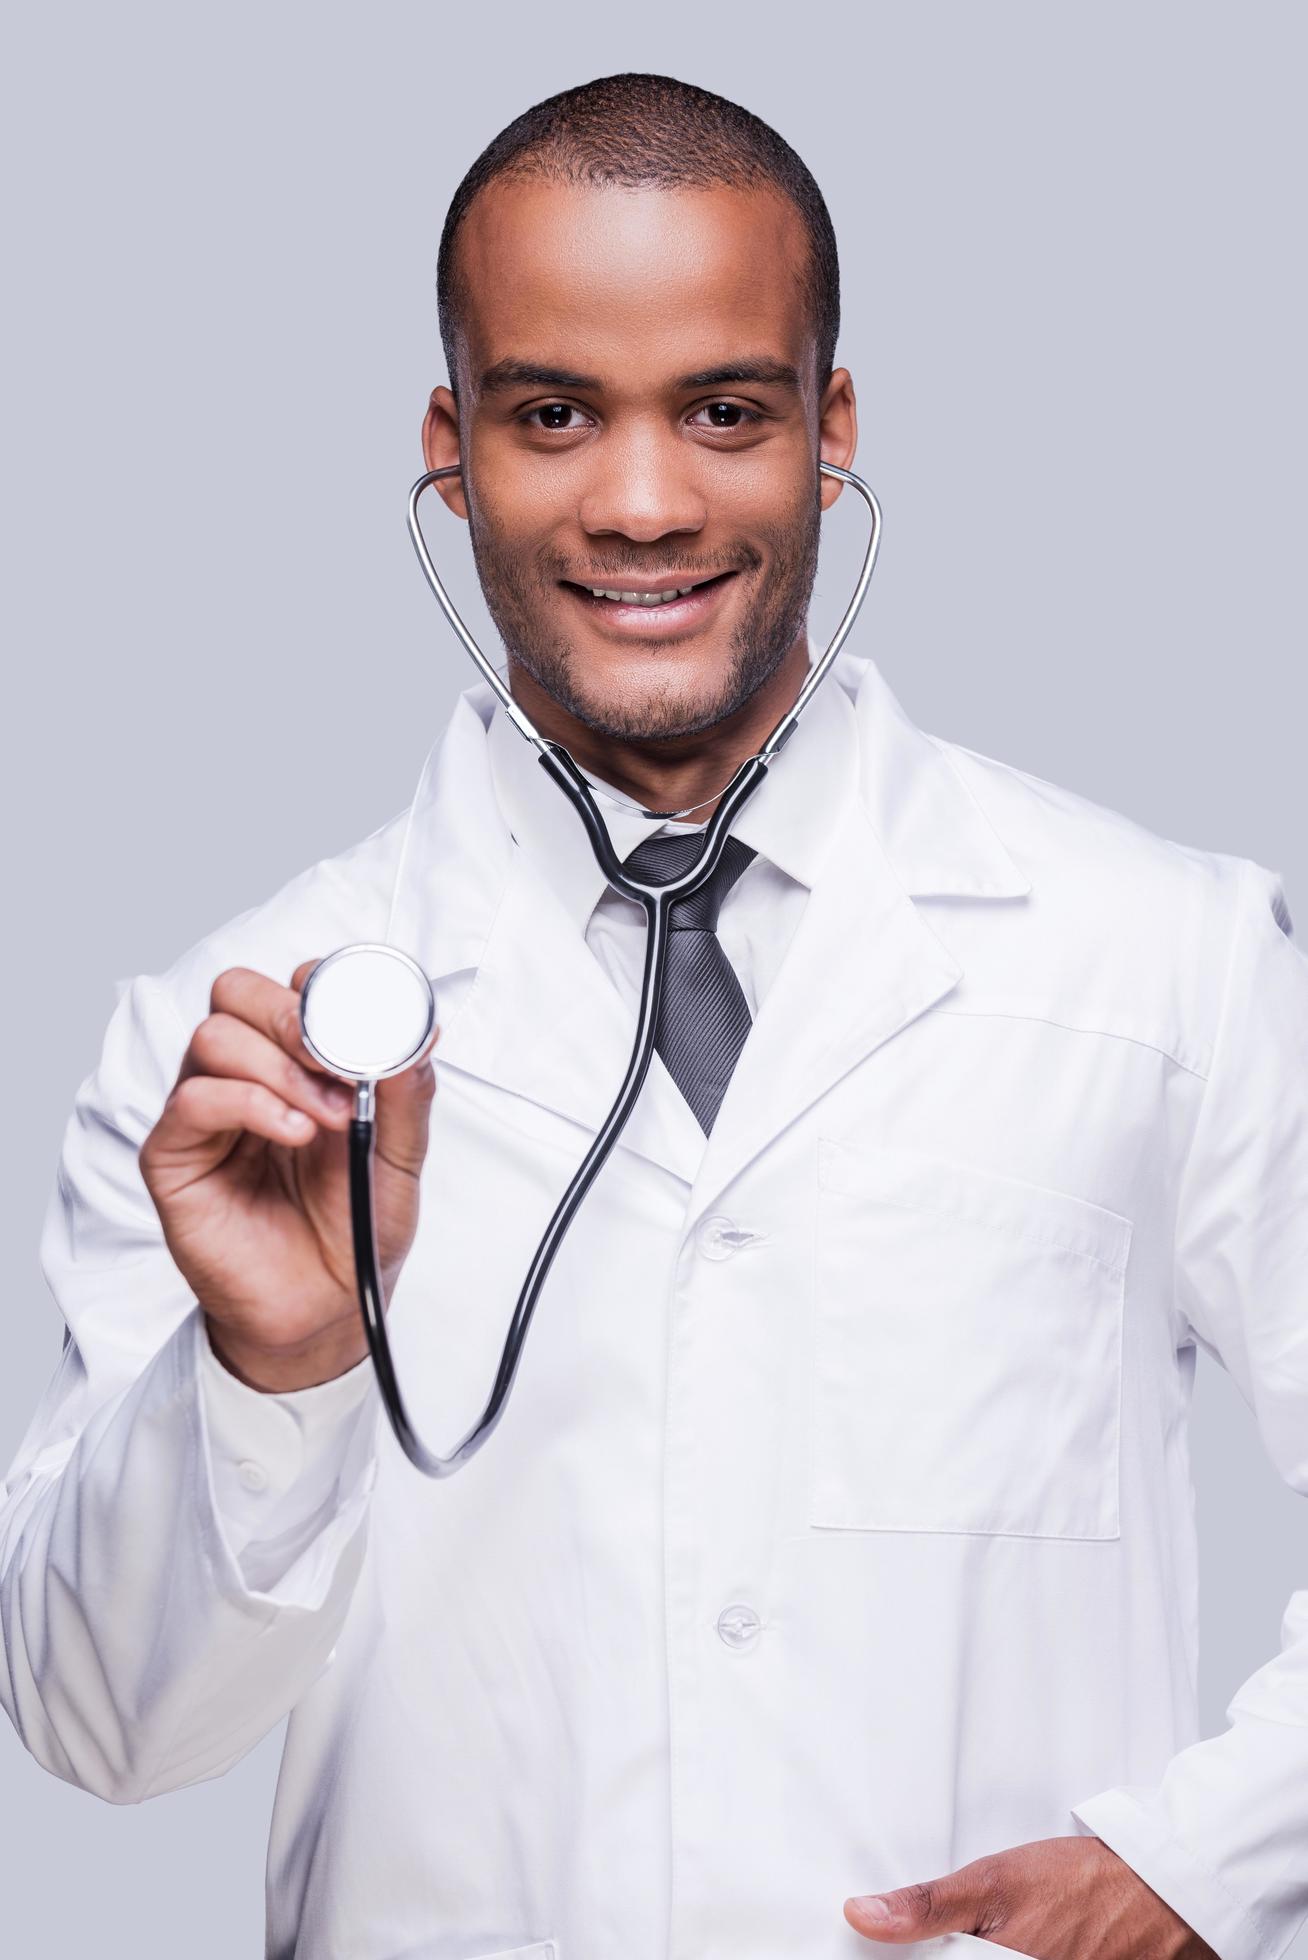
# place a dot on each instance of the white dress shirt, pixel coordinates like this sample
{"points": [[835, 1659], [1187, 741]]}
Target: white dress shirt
{"points": [[839, 1528]]}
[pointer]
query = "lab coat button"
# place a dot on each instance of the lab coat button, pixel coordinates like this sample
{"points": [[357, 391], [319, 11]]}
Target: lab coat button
{"points": [[738, 1625], [719, 1237], [253, 1476]]}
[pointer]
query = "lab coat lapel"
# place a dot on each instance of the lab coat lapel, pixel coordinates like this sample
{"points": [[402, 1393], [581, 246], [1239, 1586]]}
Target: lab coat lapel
{"points": [[863, 964], [454, 858], [545, 1021], [864, 961], [541, 1018]]}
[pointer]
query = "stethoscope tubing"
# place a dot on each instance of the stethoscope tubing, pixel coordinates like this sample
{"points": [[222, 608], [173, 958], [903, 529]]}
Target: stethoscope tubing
{"points": [[367, 1270], [657, 901]]}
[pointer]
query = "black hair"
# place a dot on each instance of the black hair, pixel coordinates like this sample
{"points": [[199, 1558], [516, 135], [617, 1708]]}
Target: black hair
{"points": [[649, 130]]}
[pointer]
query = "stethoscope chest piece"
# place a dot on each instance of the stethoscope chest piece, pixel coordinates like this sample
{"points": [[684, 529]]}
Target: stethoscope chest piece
{"points": [[367, 1011]]}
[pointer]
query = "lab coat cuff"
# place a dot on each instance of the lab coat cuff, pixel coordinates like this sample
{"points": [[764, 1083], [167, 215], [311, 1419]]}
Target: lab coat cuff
{"points": [[258, 1416], [288, 1473], [1144, 1842]]}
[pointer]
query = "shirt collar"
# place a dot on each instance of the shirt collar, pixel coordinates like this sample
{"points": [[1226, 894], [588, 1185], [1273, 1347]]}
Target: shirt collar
{"points": [[789, 820]]}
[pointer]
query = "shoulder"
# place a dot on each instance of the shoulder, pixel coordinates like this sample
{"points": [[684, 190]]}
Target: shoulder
{"points": [[338, 899], [421, 879], [1123, 925]]}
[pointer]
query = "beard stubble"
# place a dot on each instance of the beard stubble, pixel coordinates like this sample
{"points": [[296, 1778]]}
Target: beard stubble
{"points": [[520, 593]]}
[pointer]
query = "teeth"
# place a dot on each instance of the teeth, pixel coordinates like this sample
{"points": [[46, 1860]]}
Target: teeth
{"points": [[641, 598]]}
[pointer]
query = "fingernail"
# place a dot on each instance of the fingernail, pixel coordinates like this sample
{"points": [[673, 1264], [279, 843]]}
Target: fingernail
{"points": [[873, 1908]]}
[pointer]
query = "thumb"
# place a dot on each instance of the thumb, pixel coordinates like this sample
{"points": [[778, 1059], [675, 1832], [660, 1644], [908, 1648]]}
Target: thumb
{"points": [[953, 1904], [403, 1112]]}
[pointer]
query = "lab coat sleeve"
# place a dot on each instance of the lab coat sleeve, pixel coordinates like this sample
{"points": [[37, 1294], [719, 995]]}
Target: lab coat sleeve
{"points": [[1223, 1835], [142, 1649], [282, 1465]]}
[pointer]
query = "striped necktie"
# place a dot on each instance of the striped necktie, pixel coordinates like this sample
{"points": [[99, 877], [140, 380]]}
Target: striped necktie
{"points": [[704, 1016]]}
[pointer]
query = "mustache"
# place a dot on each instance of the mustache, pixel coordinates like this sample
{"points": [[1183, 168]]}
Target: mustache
{"points": [[735, 558]]}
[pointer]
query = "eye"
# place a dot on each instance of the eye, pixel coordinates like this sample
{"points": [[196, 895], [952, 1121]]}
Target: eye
{"points": [[725, 415], [555, 416]]}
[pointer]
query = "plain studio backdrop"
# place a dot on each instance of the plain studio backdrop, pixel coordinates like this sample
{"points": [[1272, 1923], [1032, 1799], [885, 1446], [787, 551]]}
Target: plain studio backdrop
{"points": [[1074, 309]]}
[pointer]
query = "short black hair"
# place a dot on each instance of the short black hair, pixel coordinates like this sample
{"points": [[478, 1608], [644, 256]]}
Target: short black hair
{"points": [[649, 131]]}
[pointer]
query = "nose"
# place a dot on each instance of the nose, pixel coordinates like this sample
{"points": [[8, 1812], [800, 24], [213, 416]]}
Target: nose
{"points": [[642, 488]]}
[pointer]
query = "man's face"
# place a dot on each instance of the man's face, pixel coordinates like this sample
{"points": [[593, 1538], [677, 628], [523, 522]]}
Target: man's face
{"points": [[639, 416]]}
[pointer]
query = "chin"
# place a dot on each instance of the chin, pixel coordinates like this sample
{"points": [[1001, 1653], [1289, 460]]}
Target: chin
{"points": [[655, 717], [650, 694]]}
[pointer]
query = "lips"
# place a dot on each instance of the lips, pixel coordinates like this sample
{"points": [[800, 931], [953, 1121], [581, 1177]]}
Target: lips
{"points": [[647, 608]]}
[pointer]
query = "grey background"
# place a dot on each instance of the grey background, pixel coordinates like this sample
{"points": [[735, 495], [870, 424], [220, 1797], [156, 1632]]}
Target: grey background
{"points": [[1075, 312]]}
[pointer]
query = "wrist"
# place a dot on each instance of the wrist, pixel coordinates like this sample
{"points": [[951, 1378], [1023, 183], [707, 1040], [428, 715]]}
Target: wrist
{"points": [[281, 1371]]}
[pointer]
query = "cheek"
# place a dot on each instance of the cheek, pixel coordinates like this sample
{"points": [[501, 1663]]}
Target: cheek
{"points": [[768, 493], [519, 499], [513, 546]]}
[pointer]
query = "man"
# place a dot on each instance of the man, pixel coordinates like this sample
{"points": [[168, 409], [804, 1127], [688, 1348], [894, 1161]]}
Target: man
{"points": [[837, 1539]]}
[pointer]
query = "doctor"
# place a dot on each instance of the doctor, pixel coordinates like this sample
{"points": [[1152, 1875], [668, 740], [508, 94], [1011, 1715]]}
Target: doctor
{"points": [[831, 1579]]}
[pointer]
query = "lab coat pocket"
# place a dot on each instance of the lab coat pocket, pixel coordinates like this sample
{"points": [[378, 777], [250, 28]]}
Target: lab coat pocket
{"points": [[966, 1352]]}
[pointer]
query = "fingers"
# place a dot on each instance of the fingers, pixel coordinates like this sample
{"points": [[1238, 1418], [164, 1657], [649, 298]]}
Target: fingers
{"points": [[958, 1902], [404, 1111], [205, 1107], [224, 1046], [246, 1069], [272, 1009]]}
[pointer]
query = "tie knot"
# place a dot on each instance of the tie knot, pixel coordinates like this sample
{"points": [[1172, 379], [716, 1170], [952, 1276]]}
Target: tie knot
{"points": [[661, 859]]}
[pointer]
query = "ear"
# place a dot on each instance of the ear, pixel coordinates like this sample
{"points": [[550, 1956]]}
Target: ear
{"points": [[440, 447], [837, 431]]}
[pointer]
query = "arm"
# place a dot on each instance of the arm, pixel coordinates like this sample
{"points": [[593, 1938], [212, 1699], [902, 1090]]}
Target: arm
{"points": [[145, 1648], [1223, 1835], [1213, 1858]]}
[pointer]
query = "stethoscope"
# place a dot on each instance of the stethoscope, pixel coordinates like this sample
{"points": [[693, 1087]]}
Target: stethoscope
{"points": [[368, 1011]]}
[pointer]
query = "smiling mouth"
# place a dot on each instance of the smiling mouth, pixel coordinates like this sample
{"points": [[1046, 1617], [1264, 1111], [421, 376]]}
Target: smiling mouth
{"points": [[646, 596]]}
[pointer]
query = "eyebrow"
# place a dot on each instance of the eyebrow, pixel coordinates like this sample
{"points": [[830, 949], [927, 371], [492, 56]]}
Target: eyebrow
{"points": [[761, 374], [530, 374]]}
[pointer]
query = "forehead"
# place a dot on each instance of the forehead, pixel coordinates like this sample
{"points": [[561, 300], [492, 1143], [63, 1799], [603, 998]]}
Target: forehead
{"points": [[617, 280]]}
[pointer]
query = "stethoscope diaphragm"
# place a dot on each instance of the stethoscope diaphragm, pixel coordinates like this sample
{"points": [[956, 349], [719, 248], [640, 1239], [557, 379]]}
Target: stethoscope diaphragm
{"points": [[367, 1011]]}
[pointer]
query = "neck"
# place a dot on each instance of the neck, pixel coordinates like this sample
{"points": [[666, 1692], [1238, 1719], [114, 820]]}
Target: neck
{"points": [[680, 772]]}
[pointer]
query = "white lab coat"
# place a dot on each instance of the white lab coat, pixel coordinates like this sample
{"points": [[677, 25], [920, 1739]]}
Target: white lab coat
{"points": [[839, 1528]]}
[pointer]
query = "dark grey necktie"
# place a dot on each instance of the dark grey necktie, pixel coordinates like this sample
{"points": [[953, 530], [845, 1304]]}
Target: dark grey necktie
{"points": [[704, 1016]]}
